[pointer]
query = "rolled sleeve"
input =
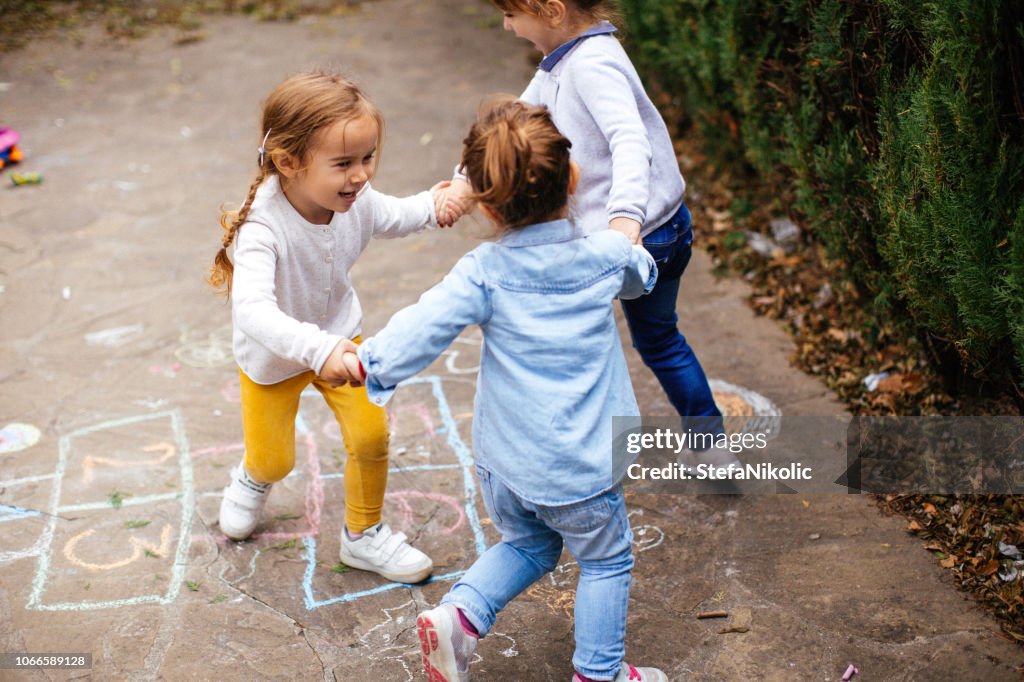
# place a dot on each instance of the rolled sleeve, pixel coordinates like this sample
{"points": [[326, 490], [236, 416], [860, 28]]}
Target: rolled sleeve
{"points": [[640, 276]]}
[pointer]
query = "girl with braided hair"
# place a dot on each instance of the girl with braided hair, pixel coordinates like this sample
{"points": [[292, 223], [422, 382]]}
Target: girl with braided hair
{"points": [[309, 214], [552, 376]]}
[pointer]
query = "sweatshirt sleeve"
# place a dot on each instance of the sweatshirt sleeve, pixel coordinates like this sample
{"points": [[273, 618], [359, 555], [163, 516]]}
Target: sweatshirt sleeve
{"points": [[416, 335], [255, 309], [640, 274], [606, 93], [398, 217]]}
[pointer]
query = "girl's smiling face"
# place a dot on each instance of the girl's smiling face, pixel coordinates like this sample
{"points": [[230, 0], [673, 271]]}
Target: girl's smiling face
{"points": [[342, 161]]}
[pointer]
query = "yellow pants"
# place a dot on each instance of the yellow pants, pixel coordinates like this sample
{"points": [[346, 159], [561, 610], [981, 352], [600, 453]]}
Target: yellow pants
{"points": [[268, 423]]}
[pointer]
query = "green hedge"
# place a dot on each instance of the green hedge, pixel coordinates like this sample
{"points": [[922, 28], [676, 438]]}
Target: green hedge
{"points": [[896, 126]]}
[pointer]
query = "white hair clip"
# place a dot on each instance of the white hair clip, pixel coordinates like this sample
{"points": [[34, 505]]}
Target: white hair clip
{"points": [[263, 146]]}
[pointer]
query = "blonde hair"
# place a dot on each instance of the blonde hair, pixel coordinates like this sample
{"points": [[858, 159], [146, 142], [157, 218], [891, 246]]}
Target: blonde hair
{"points": [[517, 162], [591, 10], [293, 115]]}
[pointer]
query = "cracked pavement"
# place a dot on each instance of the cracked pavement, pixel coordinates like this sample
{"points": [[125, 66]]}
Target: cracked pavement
{"points": [[118, 404]]}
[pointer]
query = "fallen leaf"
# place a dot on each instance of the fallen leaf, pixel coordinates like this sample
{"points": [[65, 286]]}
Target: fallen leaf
{"points": [[891, 384], [838, 334], [734, 628], [989, 567]]}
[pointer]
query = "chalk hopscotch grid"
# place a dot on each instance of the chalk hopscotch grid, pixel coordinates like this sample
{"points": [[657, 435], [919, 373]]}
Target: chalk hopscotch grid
{"points": [[43, 547]]}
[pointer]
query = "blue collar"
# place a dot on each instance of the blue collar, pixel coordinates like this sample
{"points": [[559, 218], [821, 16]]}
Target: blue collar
{"points": [[556, 55], [552, 232]]}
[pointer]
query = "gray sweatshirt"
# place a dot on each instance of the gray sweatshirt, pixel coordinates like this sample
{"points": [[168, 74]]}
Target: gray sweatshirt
{"points": [[292, 300], [619, 139]]}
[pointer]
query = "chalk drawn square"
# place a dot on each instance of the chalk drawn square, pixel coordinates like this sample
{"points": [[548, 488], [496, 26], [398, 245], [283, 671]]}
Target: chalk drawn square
{"points": [[434, 490], [106, 556], [150, 454]]}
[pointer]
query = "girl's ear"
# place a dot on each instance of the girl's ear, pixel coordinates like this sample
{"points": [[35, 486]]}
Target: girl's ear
{"points": [[555, 12], [288, 165], [574, 177]]}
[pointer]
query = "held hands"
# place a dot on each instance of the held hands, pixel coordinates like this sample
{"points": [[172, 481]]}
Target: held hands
{"points": [[451, 201], [626, 226], [342, 366]]}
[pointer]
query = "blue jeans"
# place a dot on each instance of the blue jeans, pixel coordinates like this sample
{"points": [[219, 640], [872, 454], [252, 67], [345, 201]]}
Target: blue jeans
{"points": [[597, 534], [652, 323]]}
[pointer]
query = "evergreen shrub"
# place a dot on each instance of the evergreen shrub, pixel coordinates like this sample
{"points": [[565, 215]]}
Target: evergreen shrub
{"points": [[897, 127]]}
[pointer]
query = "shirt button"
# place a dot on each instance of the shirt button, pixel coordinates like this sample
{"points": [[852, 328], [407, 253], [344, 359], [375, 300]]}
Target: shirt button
{"points": [[329, 259], [327, 290], [323, 317]]}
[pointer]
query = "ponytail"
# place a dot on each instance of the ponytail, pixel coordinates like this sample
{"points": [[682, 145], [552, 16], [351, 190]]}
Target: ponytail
{"points": [[517, 162]]}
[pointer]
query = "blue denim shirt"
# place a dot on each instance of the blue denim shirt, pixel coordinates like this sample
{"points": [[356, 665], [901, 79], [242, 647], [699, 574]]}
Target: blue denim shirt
{"points": [[552, 370]]}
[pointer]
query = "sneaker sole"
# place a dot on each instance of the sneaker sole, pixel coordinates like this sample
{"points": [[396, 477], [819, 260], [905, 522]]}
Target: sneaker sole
{"points": [[408, 578], [430, 639], [236, 536]]}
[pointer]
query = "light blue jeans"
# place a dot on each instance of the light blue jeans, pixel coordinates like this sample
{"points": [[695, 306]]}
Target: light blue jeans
{"points": [[597, 534]]}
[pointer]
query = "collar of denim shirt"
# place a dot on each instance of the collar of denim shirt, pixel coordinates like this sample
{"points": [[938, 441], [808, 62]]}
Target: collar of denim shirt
{"points": [[556, 55], [562, 230]]}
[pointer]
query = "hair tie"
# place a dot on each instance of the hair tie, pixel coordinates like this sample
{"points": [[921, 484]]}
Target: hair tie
{"points": [[263, 146]]}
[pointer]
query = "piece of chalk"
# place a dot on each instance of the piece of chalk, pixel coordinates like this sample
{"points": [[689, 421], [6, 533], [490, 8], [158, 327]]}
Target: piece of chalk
{"points": [[30, 178], [850, 672]]}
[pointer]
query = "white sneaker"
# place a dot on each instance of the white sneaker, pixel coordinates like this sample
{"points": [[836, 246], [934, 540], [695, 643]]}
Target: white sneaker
{"points": [[242, 503], [447, 649], [387, 554]]}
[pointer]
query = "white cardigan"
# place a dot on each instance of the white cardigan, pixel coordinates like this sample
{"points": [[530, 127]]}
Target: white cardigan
{"points": [[292, 300]]}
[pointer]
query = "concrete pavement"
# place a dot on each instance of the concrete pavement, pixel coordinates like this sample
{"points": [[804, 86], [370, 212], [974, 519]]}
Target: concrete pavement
{"points": [[119, 414]]}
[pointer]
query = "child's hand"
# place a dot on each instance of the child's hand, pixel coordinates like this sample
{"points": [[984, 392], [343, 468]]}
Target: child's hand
{"points": [[626, 226], [338, 370], [459, 202], [354, 367], [451, 201]]}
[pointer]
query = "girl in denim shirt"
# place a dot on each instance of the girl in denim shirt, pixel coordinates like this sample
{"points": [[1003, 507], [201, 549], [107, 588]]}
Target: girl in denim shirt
{"points": [[630, 179], [552, 376]]}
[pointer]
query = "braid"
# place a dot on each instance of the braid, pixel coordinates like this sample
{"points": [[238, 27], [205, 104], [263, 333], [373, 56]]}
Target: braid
{"points": [[231, 221]]}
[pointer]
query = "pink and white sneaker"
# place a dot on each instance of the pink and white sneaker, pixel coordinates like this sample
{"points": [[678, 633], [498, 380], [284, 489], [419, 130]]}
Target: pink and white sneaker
{"points": [[447, 648], [629, 673]]}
